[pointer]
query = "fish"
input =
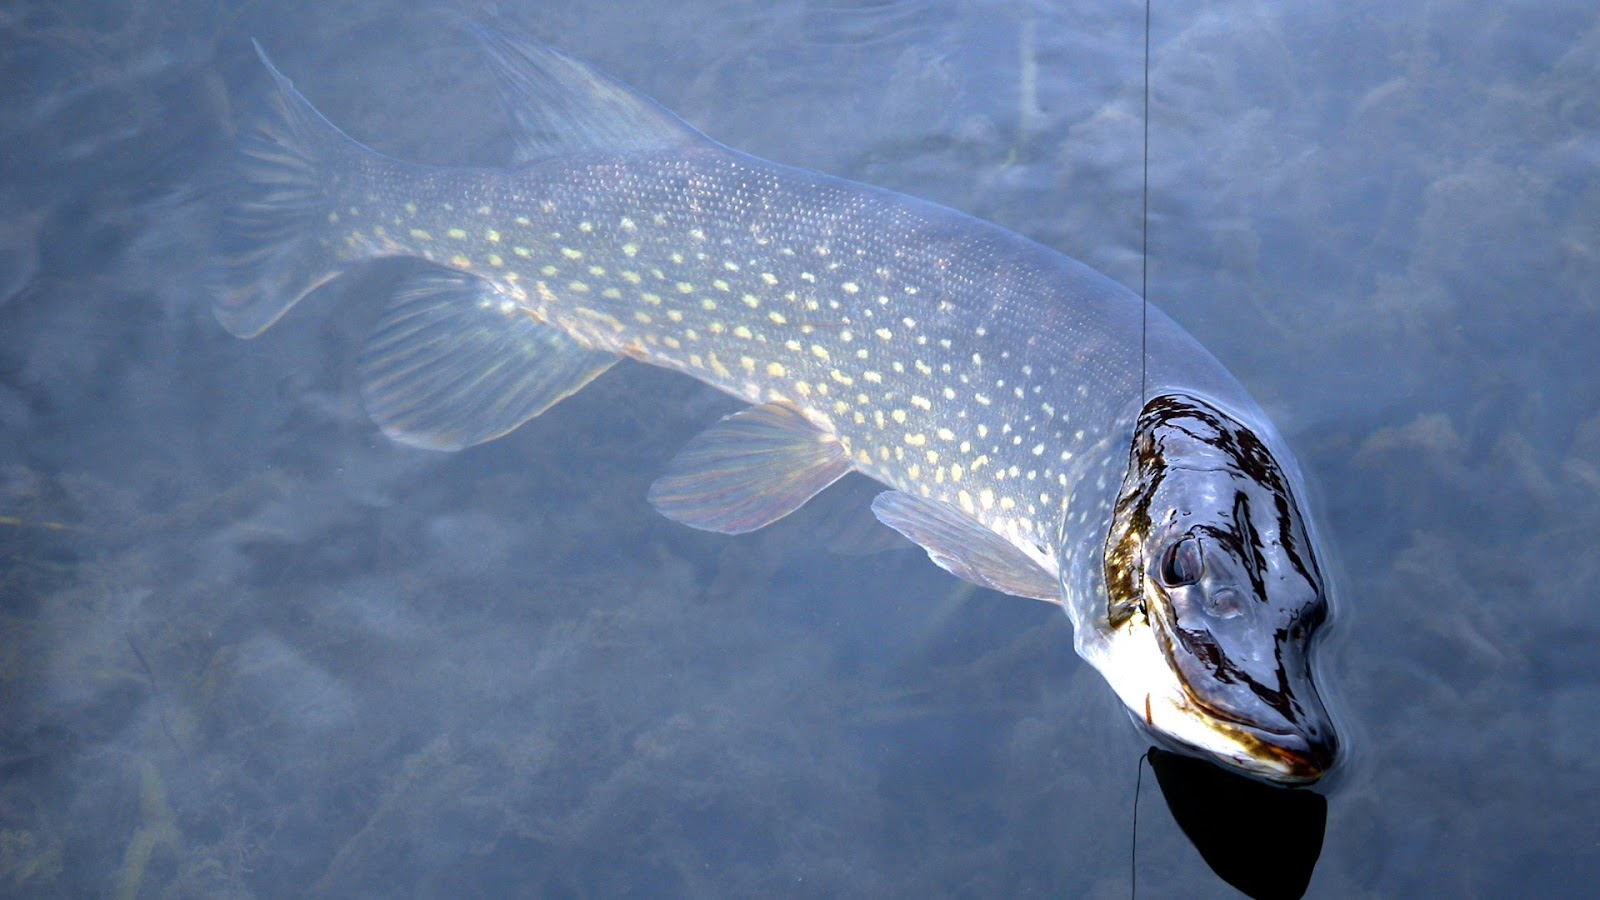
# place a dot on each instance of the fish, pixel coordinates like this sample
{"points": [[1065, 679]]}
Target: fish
{"points": [[995, 387]]}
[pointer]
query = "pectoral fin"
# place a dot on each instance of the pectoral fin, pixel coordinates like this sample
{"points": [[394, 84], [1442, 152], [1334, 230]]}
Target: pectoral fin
{"points": [[965, 548], [749, 470], [454, 363]]}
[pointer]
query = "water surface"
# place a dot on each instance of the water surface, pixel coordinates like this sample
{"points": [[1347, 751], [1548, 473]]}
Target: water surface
{"points": [[251, 648]]}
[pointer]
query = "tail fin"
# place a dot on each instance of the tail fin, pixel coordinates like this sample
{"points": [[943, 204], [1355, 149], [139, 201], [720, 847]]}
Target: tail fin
{"points": [[274, 243]]}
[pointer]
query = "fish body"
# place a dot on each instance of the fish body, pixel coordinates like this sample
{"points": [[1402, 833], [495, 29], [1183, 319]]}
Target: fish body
{"points": [[993, 384]]}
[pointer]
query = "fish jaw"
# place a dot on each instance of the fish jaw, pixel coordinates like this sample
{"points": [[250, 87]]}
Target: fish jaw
{"points": [[1299, 752]]}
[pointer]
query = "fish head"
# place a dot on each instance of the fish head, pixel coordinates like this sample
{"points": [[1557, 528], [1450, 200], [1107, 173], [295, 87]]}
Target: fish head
{"points": [[1215, 597]]}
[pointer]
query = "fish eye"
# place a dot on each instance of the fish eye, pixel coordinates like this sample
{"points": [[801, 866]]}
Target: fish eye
{"points": [[1181, 564]]}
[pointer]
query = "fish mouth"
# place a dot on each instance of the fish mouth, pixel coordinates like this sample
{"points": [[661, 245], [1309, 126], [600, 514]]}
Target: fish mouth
{"points": [[1301, 756]]}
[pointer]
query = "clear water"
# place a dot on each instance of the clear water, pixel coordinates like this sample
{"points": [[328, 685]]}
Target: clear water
{"points": [[250, 648]]}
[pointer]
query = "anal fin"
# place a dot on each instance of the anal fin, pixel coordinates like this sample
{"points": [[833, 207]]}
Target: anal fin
{"points": [[965, 548], [749, 470], [453, 363]]}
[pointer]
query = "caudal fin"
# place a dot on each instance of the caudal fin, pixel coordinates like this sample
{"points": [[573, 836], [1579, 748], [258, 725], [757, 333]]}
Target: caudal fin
{"points": [[274, 243]]}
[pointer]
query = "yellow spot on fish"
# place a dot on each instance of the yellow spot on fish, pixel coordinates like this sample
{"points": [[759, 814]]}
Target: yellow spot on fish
{"points": [[742, 331], [803, 388], [672, 342], [462, 261], [955, 472], [708, 304], [411, 208], [582, 226], [1007, 503], [793, 345], [597, 271], [921, 402], [807, 276], [884, 333], [652, 299], [777, 318], [524, 220], [677, 259], [747, 363], [720, 285], [630, 249], [899, 415], [776, 370], [459, 234], [946, 434], [627, 224], [611, 293], [570, 253], [751, 300], [841, 377], [850, 287], [716, 328], [840, 407], [966, 502], [986, 498], [523, 252], [642, 318], [685, 287], [496, 260], [675, 315], [419, 234], [578, 286], [872, 377], [333, 218], [697, 234], [864, 457], [631, 277]]}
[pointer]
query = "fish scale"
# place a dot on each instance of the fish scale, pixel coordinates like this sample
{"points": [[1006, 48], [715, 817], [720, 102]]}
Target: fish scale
{"points": [[991, 383], [849, 305]]}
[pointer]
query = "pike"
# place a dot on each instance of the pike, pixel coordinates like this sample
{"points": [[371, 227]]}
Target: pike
{"points": [[990, 383]]}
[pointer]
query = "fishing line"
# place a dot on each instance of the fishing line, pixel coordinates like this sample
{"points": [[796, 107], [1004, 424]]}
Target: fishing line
{"points": [[1133, 844], [1144, 363], [1144, 224]]}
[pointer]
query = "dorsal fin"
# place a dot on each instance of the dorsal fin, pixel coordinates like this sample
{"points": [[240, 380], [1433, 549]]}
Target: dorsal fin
{"points": [[563, 107]]}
